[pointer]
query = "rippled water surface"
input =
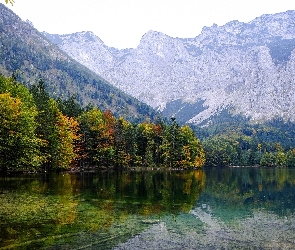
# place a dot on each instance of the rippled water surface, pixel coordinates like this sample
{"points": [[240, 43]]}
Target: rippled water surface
{"points": [[227, 208]]}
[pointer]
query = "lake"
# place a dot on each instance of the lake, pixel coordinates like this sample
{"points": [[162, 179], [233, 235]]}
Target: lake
{"points": [[214, 208]]}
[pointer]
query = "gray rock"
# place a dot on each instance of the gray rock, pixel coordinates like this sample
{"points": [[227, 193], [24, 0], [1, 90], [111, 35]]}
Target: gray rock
{"points": [[247, 68]]}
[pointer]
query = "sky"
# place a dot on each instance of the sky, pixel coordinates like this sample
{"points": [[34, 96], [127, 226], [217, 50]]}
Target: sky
{"points": [[122, 23]]}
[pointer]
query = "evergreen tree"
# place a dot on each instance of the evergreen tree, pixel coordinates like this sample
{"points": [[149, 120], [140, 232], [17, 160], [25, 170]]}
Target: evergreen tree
{"points": [[70, 107]]}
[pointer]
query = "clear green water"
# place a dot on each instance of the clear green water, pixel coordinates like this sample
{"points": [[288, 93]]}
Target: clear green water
{"points": [[228, 208]]}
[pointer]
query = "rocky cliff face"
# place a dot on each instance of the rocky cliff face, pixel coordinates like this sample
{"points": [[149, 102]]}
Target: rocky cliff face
{"points": [[247, 68]]}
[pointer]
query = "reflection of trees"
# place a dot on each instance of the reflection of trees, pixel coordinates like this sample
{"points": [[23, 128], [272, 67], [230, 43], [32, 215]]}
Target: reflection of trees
{"points": [[121, 203], [66, 187], [150, 192], [37, 206], [242, 189], [40, 209]]}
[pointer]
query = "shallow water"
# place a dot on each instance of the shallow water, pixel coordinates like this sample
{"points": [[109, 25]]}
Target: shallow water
{"points": [[228, 208]]}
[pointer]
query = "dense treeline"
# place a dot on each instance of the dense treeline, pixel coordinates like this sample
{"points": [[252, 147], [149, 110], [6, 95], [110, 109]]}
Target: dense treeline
{"points": [[39, 132], [243, 144]]}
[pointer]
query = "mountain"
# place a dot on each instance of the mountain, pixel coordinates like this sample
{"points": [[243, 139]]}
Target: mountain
{"points": [[29, 55], [239, 69]]}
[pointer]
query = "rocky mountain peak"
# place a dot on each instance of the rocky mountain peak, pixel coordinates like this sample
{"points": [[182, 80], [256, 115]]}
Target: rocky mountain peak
{"points": [[86, 48], [79, 37], [262, 30], [246, 68], [161, 46], [152, 36], [280, 24], [86, 36], [153, 40]]}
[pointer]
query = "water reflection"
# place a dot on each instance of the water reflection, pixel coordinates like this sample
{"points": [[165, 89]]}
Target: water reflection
{"points": [[39, 210], [245, 189], [225, 208], [145, 191], [239, 208]]}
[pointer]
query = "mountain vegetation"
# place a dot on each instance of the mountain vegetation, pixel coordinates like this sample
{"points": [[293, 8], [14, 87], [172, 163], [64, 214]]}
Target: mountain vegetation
{"points": [[29, 56], [236, 142], [40, 133], [36, 134]]}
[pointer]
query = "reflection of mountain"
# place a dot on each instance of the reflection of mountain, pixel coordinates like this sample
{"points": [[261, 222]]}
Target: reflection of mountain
{"points": [[206, 218], [239, 208], [260, 231]]}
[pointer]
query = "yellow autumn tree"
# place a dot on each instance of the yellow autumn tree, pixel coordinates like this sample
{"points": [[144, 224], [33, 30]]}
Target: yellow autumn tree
{"points": [[19, 146], [193, 154], [62, 138]]}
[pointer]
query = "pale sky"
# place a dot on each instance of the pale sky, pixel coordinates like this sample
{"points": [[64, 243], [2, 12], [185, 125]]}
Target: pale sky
{"points": [[122, 23]]}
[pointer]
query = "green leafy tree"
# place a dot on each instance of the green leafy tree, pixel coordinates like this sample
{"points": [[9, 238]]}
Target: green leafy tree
{"points": [[130, 143], [122, 157], [268, 159], [192, 153], [290, 155], [281, 157], [180, 147], [45, 118], [220, 151], [97, 139], [19, 146], [148, 142], [168, 144], [61, 138], [18, 136]]}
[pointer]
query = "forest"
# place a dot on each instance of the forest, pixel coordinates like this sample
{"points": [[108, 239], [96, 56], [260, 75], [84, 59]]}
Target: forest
{"points": [[237, 141], [39, 133]]}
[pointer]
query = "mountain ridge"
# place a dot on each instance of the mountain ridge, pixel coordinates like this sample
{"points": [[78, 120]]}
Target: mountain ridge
{"points": [[245, 68]]}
